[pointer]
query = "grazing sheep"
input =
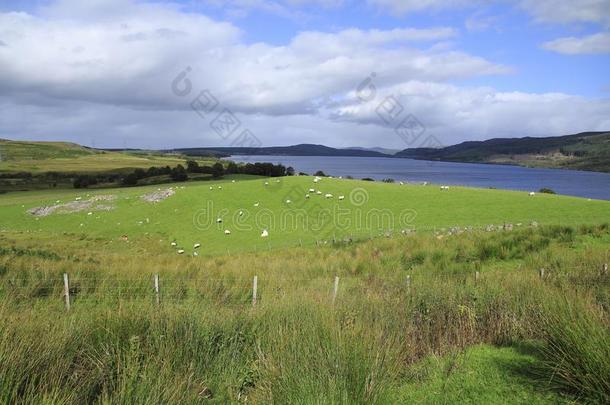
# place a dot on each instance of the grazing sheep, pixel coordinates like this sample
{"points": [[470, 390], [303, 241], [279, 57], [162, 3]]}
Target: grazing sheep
{"points": [[181, 251], [445, 188], [264, 234], [341, 197], [288, 201], [174, 244], [227, 232], [402, 183], [256, 205], [219, 220], [277, 181], [306, 195], [195, 254], [328, 196], [311, 190], [232, 181], [241, 213], [196, 245], [220, 187], [266, 183], [425, 183], [211, 188], [532, 193], [316, 180], [90, 213], [318, 192]]}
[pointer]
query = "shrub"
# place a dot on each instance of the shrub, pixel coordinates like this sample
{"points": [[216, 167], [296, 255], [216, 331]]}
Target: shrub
{"points": [[546, 191]]}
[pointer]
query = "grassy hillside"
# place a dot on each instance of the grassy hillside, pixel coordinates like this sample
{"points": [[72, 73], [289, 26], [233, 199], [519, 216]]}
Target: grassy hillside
{"points": [[585, 151], [383, 341], [39, 157], [294, 150], [369, 209]]}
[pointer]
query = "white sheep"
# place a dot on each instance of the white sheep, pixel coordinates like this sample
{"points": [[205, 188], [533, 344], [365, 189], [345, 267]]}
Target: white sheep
{"points": [[402, 183], [328, 196], [341, 197], [227, 232], [288, 202], [174, 244], [318, 192], [218, 220], [256, 204], [195, 254], [264, 234], [241, 213], [311, 190], [532, 193], [220, 187], [232, 181], [266, 183], [277, 181], [211, 188], [181, 251], [196, 245], [306, 195]]}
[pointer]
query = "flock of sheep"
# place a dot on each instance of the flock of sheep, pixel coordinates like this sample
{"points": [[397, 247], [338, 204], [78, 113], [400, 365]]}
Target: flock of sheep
{"points": [[265, 232]]}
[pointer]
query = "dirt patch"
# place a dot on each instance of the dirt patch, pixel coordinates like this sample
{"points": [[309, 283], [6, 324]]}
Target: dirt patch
{"points": [[158, 196], [74, 206]]}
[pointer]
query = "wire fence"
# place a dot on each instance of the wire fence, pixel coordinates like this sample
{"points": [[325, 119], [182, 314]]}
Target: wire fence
{"points": [[248, 291]]}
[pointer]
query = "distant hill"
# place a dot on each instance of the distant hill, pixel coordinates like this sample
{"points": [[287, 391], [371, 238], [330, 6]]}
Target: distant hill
{"points": [[295, 150], [26, 150], [583, 151], [385, 151]]}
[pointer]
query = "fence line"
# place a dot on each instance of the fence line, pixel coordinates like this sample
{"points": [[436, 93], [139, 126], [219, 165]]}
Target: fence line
{"points": [[72, 288]]}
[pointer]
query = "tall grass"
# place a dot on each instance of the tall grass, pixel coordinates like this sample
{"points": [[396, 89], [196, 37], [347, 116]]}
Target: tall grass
{"points": [[205, 342]]}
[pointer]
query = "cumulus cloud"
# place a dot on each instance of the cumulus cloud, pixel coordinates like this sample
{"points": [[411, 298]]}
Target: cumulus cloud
{"points": [[102, 72], [561, 11], [451, 112], [409, 6], [131, 58], [591, 44]]}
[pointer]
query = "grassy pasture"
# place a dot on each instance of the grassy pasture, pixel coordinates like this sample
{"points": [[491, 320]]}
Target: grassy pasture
{"points": [[381, 342], [64, 157], [369, 209]]}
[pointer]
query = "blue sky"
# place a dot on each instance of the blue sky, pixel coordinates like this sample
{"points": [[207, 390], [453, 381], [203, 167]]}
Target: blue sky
{"points": [[98, 71]]}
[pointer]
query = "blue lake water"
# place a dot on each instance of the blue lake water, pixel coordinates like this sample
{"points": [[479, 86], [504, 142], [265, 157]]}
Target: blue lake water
{"points": [[568, 182]]}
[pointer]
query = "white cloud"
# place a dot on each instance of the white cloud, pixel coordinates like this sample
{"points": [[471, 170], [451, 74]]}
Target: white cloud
{"points": [[562, 11], [591, 44], [401, 7], [131, 58], [453, 113], [86, 71]]}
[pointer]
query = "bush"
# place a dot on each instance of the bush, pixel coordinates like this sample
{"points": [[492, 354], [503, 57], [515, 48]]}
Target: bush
{"points": [[179, 173], [320, 173], [546, 191]]}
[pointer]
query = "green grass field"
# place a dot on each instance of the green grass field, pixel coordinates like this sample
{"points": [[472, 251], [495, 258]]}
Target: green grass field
{"points": [[64, 157], [506, 336], [369, 209]]}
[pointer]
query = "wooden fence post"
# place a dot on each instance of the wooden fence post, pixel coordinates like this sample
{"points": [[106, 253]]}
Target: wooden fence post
{"points": [[254, 290], [67, 291], [541, 272], [156, 284], [335, 289], [476, 276], [408, 282]]}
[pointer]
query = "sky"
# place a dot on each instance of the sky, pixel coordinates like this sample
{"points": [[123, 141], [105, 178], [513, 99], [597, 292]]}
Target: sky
{"points": [[344, 73]]}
